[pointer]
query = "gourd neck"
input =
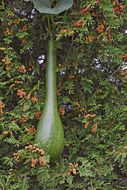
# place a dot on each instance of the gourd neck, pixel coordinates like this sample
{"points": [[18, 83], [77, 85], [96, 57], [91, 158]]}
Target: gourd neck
{"points": [[51, 74]]}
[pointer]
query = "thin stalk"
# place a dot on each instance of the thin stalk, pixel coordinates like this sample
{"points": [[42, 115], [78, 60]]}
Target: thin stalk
{"points": [[52, 21], [49, 26], [53, 24]]}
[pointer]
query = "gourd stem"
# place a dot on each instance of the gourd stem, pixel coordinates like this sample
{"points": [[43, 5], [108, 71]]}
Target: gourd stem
{"points": [[53, 23], [52, 20], [49, 26]]}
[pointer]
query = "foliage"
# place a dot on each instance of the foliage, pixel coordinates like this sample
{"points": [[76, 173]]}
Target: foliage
{"points": [[91, 90]]}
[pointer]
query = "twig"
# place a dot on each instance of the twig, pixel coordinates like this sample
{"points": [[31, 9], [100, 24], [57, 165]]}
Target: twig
{"points": [[116, 70]]}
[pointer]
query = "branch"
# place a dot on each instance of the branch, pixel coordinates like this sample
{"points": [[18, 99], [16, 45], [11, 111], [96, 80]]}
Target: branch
{"points": [[116, 70]]}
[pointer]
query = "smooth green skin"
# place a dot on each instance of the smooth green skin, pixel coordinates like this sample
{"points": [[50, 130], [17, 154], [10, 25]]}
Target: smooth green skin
{"points": [[50, 135]]}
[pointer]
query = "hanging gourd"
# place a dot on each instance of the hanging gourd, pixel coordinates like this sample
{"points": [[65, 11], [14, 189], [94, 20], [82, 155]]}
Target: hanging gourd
{"points": [[50, 135]]}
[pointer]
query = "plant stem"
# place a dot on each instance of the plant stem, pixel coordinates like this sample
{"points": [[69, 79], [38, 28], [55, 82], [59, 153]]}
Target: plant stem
{"points": [[49, 26], [52, 20]]}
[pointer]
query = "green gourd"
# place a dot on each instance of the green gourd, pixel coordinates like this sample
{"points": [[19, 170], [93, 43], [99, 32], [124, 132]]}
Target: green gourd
{"points": [[50, 135]]}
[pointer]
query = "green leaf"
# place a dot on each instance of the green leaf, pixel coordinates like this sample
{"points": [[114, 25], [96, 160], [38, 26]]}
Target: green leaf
{"points": [[65, 99], [46, 6]]}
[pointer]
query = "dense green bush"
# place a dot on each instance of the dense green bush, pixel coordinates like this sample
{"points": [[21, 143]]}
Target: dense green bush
{"points": [[91, 89]]}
